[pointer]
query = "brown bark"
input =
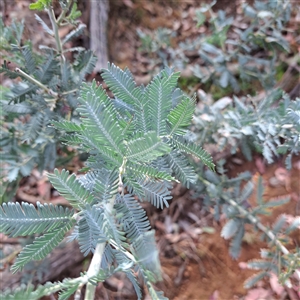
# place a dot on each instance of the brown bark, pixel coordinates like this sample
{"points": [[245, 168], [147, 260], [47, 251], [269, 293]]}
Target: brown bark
{"points": [[98, 31]]}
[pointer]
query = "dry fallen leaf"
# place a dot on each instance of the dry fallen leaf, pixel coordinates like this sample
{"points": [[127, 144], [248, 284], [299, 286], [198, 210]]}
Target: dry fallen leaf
{"points": [[258, 294], [214, 296], [243, 265], [281, 174], [275, 285], [260, 165]]}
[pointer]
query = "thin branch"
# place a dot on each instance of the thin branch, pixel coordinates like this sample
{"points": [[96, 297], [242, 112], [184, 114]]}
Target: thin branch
{"points": [[10, 257], [63, 13], [36, 82], [69, 92], [256, 222], [55, 29]]}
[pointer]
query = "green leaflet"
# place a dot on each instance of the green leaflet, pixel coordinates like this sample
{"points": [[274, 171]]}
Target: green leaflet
{"points": [[135, 284], [156, 192], [70, 188], [105, 185], [193, 149], [93, 144], [230, 228], [147, 255], [180, 117], [47, 69], [146, 147], [134, 188], [40, 4], [251, 281], [67, 126], [66, 293], [85, 61], [25, 219], [104, 126], [91, 230], [159, 101], [41, 247], [139, 171], [134, 220], [122, 84], [181, 168], [28, 59]]}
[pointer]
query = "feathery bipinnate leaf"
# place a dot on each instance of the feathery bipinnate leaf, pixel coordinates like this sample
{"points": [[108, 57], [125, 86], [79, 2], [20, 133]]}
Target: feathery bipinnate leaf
{"points": [[91, 143], [67, 292], [230, 228], [44, 25], [159, 96], [122, 84], [19, 108], [103, 175], [147, 256], [29, 59], [155, 295], [193, 149], [33, 127], [146, 147], [113, 230], [180, 117], [133, 186], [21, 292], [156, 192], [140, 171], [67, 126], [30, 291], [251, 281], [47, 69], [74, 33], [41, 247], [134, 219], [122, 106], [132, 278], [70, 188], [236, 242], [91, 230], [181, 168], [97, 226], [85, 63], [106, 185], [25, 219], [246, 192], [99, 116]]}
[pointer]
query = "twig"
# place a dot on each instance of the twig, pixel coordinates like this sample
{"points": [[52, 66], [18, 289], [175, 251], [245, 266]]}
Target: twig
{"points": [[10, 257], [55, 29], [256, 222], [63, 13], [36, 82], [10, 241]]}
